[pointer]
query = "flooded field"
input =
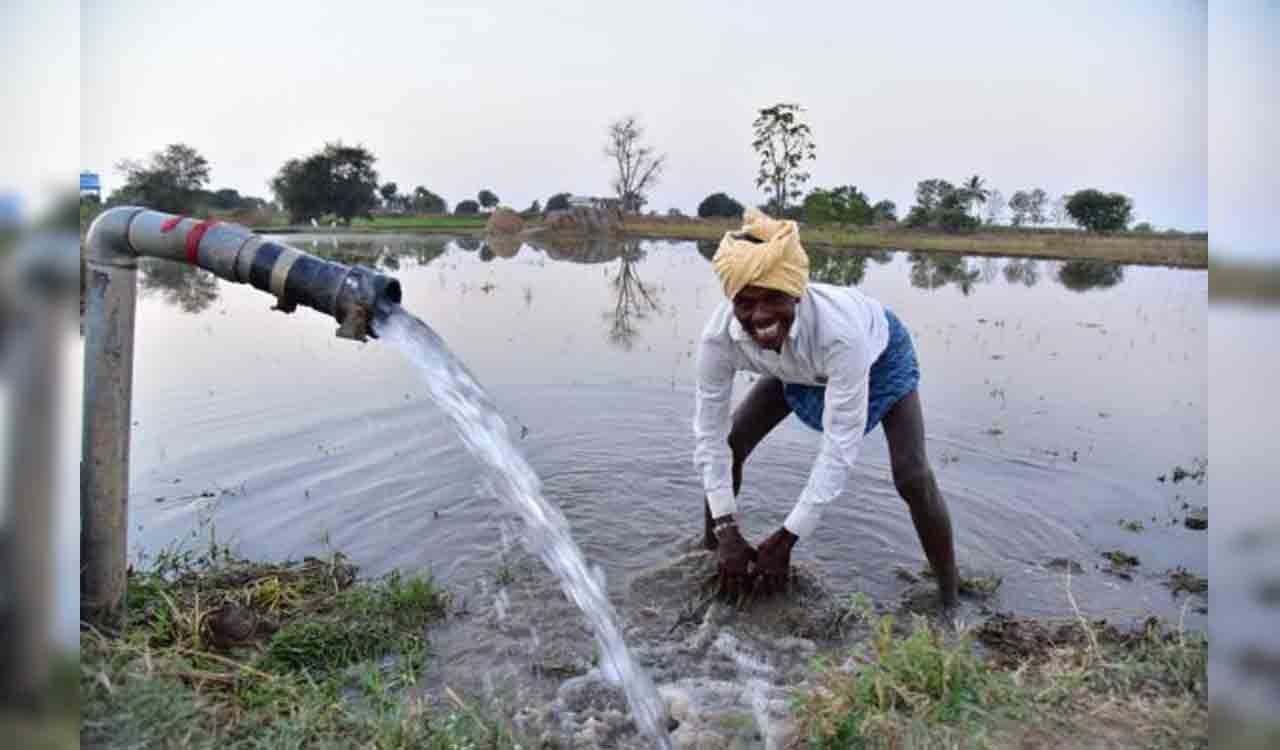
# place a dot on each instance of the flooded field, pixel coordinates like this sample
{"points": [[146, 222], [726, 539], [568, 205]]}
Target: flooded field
{"points": [[1065, 403]]}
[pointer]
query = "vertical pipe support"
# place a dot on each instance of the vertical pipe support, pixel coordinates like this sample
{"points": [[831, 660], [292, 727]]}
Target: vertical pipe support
{"points": [[111, 289]]}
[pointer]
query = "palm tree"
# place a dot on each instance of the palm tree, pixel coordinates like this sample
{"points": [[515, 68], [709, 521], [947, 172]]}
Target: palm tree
{"points": [[975, 192]]}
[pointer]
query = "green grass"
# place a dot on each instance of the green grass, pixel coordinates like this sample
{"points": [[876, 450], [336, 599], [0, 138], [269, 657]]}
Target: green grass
{"points": [[326, 663], [903, 690], [1077, 684], [1180, 249], [446, 221]]}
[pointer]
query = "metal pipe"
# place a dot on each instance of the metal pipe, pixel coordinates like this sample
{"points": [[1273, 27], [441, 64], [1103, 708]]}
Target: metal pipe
{"points": [[353, 295]]}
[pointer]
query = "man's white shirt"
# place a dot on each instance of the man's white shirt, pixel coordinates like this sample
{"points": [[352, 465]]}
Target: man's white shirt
{"points": [[837, 334]]}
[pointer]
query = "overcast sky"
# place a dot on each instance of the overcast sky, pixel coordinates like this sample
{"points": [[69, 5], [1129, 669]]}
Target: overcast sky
{"points": [[516, 96]]}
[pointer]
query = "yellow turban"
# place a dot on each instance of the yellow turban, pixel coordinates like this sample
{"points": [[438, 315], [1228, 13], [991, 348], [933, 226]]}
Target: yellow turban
{"points": [[776, 261]]}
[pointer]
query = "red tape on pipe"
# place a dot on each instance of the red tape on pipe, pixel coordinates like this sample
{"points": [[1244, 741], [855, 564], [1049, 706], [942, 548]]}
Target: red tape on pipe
{"points": [[193, 239], [171, 224]]}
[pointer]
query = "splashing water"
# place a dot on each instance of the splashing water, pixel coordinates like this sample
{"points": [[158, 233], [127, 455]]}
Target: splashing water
{"points": [[753, 672], [484, 432]]}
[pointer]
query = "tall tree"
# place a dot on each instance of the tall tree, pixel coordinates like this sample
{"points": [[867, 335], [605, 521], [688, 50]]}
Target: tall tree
{"points": [[783, 142], [170, 180], [1019, 207], [638, 165], [1058, 214], [931, 193], [337, 179], [976, 194], [388, 192], [427, 202], [487, 198], [995, 206], [1038, 206]]}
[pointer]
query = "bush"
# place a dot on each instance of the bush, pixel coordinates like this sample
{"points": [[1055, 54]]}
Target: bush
{"points": [[844, 205], [884, 211], [1097, 211], [955, 220], [918, 216], [558, 202], [719, 205], [467, 207]]}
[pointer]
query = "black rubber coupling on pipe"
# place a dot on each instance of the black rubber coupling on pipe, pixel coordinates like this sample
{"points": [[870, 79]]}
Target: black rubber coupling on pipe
{"points": [[355, 296], [365, 296]]}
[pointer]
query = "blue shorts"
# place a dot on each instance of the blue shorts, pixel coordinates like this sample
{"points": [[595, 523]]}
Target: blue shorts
{"points": [[894, 375]]}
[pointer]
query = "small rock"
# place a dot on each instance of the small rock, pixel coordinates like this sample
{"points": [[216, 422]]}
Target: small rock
{"points": [[677, 702], [1197, 519], [1121, 558], [1065, 565], [592, 732], [1181, 579]]}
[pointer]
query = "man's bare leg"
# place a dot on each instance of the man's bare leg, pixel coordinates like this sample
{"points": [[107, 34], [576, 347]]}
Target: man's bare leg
{"points": [[912, 476]]}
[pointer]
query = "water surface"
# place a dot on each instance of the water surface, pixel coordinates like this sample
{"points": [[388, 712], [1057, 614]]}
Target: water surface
{"points": [[1055, 394]]}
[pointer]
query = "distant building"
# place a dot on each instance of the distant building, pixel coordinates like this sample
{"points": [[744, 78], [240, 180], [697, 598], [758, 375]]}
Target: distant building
{"points": [[588, 201], [90, 184]]}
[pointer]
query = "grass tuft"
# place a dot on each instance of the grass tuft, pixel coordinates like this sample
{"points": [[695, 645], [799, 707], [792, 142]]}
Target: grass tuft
{"points": [[223, 652], [903, 688], [1028, 684]]}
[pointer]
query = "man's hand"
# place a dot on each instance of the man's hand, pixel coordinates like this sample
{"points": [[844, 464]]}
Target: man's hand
{"points": [[773, 567], [735, 557]]}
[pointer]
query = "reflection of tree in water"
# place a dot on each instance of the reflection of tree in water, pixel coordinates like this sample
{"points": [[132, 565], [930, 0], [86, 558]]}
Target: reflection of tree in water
{"points": [[499, 246], [470, 244], [881, 256], [1083, 275], [188, 288], [841, 270], [428, 250], [708, 248], [1025, 272], [635, 300], [990, 267], [933, 271]]}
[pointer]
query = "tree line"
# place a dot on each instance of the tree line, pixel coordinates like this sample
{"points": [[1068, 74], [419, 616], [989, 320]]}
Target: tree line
{"points": [[341, 181], [338, 181]]}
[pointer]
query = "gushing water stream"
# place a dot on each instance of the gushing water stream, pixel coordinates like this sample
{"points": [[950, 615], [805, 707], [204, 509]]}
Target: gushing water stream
{"points": [[485, 434]]}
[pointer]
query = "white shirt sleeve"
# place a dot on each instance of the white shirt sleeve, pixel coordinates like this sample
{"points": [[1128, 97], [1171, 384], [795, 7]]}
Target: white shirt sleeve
{"points": [[711, 420], [844, 420]]}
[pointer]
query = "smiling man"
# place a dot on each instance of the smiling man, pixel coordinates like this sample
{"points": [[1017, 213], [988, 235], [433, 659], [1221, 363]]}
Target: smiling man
{"points": [[842, 363]]}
